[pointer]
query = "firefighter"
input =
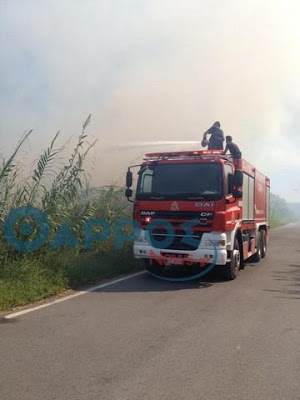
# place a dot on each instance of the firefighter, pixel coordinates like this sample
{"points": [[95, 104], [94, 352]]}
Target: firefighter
{"points": [[233, 148], [216, 139]]}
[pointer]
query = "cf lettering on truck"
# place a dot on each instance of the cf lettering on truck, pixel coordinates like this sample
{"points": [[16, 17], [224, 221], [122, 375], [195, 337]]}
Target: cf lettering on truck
{"points": [[200, 205]]}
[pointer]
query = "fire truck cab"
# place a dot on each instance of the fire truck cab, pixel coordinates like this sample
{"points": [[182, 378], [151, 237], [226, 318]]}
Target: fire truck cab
{"points": [[200, 206]]}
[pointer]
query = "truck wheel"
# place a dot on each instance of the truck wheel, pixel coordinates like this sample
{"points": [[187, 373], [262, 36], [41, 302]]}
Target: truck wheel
{"points": [[257, 256], [231, 269], [263, 243], [153, 266]]}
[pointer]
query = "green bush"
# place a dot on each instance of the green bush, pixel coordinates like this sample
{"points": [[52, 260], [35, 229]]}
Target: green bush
{"points": [[280, 212], [64, 196]]}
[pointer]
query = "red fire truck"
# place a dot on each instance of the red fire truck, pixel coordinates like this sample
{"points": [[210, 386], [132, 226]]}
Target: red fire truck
{"points": [[200, 206]]}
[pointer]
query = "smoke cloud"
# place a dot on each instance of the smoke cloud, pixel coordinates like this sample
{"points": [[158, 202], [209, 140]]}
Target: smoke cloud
{"points": [[154, 71]]}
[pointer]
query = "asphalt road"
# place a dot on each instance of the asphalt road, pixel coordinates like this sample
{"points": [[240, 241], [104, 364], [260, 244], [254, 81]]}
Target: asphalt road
{"points": [[147, 339]]}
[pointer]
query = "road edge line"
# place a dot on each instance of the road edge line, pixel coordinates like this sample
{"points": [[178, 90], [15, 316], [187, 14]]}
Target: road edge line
{"points": [[73, 295]]}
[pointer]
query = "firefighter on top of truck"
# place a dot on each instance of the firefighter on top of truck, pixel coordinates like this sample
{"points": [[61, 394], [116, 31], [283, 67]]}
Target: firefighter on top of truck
{"points": [[233, 148], [216, 139]]}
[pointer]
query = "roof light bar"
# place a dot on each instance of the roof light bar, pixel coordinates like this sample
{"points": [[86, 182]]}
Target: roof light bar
{"points": [[185, 154]]}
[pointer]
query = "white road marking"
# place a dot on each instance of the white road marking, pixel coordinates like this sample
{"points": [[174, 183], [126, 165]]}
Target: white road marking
{"points": [[71, 296]]}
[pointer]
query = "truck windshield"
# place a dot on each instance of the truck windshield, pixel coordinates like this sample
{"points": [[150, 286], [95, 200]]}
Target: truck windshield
{"points": [[180, 181]]}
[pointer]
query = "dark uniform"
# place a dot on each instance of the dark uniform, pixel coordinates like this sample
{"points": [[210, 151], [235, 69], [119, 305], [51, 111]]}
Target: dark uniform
{"points": [[216, 139], [234, 150]]}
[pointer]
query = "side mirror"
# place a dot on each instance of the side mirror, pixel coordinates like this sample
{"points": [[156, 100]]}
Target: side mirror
{"points": [[238, 178], [128, 179], [128, 193], [230, 183], [230, 199], [238, 194]]}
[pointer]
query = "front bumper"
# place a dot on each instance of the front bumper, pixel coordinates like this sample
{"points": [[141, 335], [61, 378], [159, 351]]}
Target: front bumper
{"points": [[205, 255]]}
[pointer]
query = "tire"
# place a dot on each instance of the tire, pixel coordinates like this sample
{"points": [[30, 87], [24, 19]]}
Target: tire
{"points": [[231, 269], [257, 256], [263, 243], [153, 266]]}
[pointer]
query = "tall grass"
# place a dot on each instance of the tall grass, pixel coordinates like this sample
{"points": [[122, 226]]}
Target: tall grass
{"points": [[63, 194]]}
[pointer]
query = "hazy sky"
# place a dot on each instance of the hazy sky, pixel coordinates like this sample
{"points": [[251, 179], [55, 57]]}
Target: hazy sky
{"points": [[154, 70]]}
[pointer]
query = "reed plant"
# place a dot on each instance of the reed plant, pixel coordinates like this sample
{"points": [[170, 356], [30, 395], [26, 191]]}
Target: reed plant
{"points": [[63, 194]]}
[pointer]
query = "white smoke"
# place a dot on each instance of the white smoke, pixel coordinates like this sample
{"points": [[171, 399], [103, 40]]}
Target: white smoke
{"points": [[155, 143], [159, 70]]}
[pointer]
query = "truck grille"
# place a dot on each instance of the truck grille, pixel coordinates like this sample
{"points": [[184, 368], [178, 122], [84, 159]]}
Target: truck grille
{"points": [[200, 219], [177, 240], [180, 215]]}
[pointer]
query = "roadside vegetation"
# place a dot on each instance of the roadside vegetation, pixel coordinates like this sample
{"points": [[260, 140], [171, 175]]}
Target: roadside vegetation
{"points": [[63, 194], [281, 213]]}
